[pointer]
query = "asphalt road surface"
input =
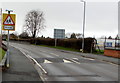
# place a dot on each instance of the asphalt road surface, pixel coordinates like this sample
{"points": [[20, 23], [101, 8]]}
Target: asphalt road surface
{"points": [[59, 65]]}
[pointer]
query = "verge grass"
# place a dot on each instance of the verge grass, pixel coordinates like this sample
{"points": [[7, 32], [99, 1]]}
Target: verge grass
{"points": [[2, 53]]}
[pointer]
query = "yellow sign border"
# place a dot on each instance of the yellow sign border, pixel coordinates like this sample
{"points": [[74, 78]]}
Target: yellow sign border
{"points": [[4, 16]]}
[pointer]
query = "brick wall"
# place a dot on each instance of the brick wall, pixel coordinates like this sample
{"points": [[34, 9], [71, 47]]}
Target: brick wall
{"points": [[113, 53]]}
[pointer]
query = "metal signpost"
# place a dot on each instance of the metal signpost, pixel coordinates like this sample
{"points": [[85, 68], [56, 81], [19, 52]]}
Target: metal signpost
{"points": [[9, 25], [59, 34]]}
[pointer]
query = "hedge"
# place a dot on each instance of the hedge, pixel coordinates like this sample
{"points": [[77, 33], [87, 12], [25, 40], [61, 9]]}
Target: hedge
{"points": [[69, 43]]}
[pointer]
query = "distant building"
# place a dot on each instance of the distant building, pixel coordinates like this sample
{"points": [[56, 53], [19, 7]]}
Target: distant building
{"points": [[100, 42]]}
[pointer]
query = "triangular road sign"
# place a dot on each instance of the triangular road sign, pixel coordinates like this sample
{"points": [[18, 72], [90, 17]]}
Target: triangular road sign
{"points": [[8, 21]]}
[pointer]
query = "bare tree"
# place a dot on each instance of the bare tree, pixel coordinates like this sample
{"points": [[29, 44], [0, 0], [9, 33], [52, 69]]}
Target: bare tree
{"points": [[102, 37], [78, 35], [24, 35], [73, 36], [34, 22]]}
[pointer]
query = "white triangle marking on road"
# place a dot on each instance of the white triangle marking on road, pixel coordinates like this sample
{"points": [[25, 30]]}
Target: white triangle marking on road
{"points": [[66, 61], [8, 20], [47, 61]]}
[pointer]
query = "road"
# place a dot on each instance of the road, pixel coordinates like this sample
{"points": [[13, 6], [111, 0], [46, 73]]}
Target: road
{"points": [[59, 65]]}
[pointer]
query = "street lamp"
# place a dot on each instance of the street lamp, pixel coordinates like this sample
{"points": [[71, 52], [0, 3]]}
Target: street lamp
{"points": [[84, 3]]}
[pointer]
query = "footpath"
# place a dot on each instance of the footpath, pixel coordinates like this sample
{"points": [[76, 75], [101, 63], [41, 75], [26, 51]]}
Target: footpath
{"points": [[21, 69]]}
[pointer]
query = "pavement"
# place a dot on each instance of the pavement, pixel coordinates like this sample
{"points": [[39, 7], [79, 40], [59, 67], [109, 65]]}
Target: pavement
{"points": [[21, 68], [60, 65]]}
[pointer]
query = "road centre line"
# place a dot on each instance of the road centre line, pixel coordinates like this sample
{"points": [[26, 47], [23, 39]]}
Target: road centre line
{"points": [[43, 51], [75, 58], [55, 54], [110, 62], [89, 59]]}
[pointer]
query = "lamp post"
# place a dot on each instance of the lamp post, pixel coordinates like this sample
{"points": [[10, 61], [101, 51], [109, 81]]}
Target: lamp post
{"points": [[84, 3]]}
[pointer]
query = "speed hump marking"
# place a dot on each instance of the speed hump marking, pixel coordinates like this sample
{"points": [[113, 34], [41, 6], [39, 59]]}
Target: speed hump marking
{"points": [[8, 22]]}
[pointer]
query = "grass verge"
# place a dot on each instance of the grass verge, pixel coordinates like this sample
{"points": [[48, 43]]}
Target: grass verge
{"points": [[99, 52], [71, 49], [2, 53]]}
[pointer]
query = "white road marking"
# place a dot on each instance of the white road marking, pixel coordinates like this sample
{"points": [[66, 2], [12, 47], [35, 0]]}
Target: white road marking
{"points": [[47, 61], [28, 56], [54, 54], [43, 51], [35, 62], [75, 61], [89, 59], [66, 61], [75, 58], [109, 62]]}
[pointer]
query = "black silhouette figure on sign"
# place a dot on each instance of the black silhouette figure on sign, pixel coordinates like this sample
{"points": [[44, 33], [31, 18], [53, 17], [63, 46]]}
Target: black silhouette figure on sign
{"points": [[8, 21]]}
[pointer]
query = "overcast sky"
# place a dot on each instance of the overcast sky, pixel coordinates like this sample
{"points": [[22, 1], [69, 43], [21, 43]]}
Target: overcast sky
{"points": [[101, 16]]}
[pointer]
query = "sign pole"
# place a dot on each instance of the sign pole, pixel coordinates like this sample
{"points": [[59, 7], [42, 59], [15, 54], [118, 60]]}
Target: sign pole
{"points": [[8, 42]]}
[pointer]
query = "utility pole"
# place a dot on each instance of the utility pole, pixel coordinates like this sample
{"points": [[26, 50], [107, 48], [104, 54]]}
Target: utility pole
{"points": [[8, 41], [84, 17]]}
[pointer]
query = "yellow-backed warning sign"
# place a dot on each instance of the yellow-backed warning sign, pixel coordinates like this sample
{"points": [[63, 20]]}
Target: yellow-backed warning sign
{"points": [[8, 22]]}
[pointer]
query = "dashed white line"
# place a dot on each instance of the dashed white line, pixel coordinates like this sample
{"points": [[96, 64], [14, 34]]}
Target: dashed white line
{"points": [[75, 58], [43, 51], [89, 59], [54, 54]]}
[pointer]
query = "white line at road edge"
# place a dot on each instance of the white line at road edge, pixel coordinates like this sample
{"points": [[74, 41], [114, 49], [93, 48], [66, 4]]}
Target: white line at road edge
{"points": [[29, 57]]}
